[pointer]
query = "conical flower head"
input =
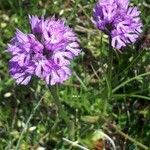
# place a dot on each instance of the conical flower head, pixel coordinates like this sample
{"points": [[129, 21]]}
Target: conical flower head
{"points": [[45, 53], [117, 19]]}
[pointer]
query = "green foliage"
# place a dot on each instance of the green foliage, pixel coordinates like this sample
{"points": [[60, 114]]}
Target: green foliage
{"points": [[84, 96]]}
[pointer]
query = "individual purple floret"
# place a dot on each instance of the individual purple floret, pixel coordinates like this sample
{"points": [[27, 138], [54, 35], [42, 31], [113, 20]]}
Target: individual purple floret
{"points": [[117, 19], [45, 53]]}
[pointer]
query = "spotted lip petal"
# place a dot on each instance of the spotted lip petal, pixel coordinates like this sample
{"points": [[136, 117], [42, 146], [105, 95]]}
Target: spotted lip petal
{"points": [[46, 52], [117, 19]]}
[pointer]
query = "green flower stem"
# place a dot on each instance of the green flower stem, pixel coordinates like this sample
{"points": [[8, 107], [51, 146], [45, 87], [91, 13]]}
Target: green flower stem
{"points": [[27, 123], [62, 114], [109, 75], [110, 65]]}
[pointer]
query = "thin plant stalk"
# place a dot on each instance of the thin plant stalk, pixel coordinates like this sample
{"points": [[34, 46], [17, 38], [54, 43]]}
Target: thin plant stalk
{"points": [[110, 63], [62, 114], [75, 144], [27, 123], [109, 75], [142, 146], [130, 80]]}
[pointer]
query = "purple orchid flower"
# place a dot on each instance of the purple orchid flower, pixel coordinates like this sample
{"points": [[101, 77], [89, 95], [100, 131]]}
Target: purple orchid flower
{"points": [[45, 53]]}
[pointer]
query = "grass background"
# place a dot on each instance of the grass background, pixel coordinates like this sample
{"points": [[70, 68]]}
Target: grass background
{"points": [[125, 117]]}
